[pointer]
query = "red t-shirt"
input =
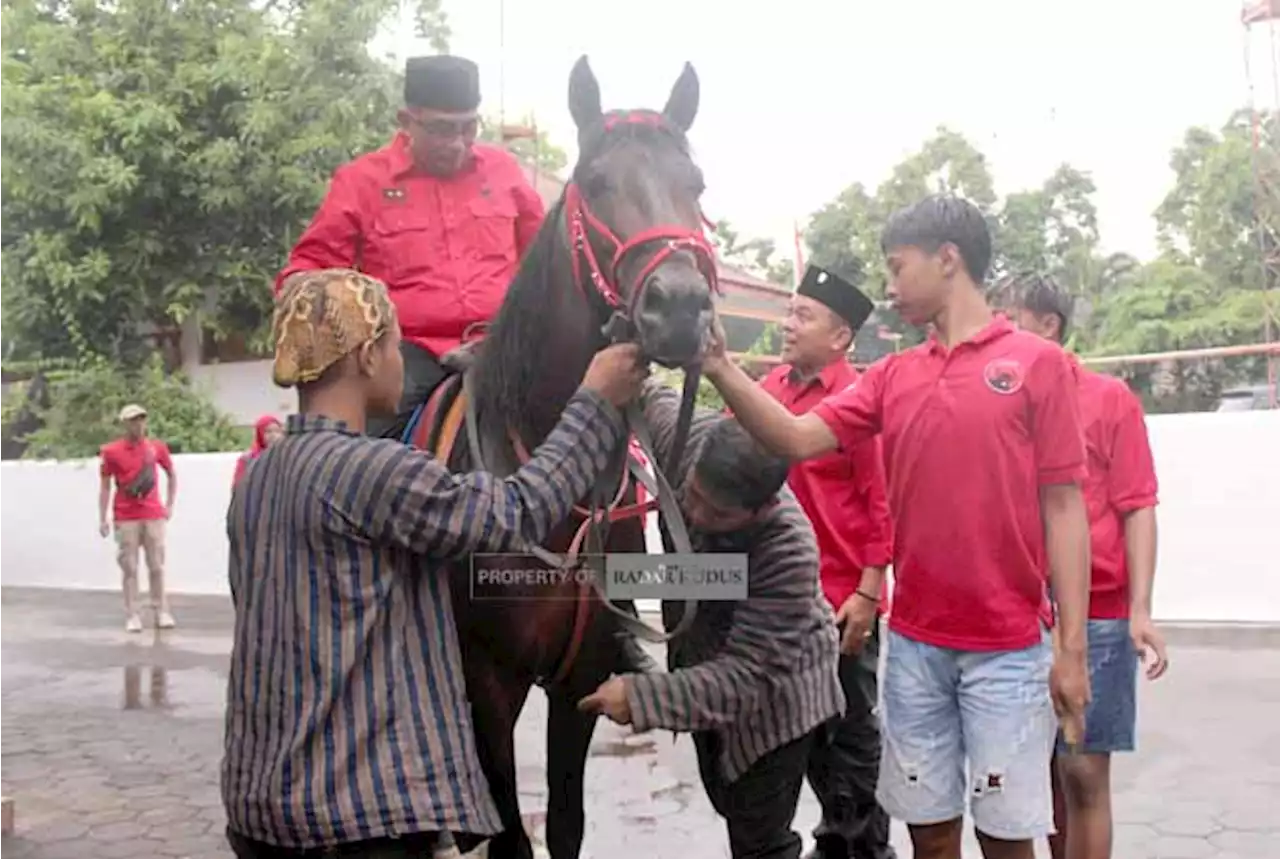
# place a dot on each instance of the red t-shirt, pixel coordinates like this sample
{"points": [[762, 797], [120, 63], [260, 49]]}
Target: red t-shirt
{"points": [[842, 493], [970, 435], [1121, 479], [123, 460], [446, 248]]}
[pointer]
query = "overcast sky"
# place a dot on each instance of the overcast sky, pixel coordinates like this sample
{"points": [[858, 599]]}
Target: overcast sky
{"points": [[799, 102]]}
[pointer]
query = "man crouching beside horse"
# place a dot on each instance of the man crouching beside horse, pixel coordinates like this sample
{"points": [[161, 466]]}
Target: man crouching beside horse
{"points": [[753, 680]]}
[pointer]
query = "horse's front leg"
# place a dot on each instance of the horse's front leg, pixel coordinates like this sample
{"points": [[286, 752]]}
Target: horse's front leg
{"points": [[496, 704], [568, 740]]}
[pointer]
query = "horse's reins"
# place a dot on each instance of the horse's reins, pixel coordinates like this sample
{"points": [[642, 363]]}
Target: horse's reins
{"points": [[591, 536]]}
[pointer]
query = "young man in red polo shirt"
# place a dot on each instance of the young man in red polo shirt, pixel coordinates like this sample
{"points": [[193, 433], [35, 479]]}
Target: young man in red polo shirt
{"points": [[984, 456], [140, 518], [440, 219], [843, 494], [1120, 493]]}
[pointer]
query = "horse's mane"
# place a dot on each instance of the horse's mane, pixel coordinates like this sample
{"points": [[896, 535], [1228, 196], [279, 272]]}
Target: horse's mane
{"points": [[507, 366]]}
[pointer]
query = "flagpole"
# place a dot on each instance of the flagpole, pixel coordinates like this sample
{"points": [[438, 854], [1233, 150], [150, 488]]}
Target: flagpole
{"points": [[799, 272]]}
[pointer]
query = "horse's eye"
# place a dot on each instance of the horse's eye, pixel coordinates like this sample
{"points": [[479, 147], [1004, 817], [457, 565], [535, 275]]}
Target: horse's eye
{"points": [[596, 185]]}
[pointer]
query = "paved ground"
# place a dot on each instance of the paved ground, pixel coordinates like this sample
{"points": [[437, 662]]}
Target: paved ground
{"points": [[111, 745]]}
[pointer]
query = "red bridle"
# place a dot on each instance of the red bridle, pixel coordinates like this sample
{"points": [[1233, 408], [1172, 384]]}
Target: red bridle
{"points": [[582, 222]]}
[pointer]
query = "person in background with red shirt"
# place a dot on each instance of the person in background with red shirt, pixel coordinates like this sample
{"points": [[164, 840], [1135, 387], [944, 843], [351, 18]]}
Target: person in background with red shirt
{"points": [[984, 456], [1120, 493], [843, 495], [139, 516], [266, 429], [437, 217]]}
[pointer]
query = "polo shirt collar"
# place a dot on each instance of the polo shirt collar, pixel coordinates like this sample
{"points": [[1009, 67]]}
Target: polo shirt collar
{"points": [[998, 327]]}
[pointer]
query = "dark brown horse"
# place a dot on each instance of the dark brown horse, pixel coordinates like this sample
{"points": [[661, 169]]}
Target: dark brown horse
{"points": [[622, 254]]}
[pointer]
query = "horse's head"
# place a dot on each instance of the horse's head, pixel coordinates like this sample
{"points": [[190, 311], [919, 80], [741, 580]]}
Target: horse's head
{"points": [[635, 219]]}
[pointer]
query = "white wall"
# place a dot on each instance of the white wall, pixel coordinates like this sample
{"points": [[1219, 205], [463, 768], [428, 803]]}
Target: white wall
{"points": [[243, 389], [1219, 514]]}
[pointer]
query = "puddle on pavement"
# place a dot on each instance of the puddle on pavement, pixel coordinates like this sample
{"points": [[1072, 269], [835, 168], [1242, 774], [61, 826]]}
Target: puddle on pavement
{"points": [[157, 687], [149, 673], [194, 693]]}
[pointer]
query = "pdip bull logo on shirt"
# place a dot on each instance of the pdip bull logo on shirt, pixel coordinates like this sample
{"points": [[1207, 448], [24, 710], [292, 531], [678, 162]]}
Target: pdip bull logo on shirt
{"points": [[1004, 376]]}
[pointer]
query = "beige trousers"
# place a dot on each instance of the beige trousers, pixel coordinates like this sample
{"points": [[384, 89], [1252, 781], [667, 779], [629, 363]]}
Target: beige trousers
{"points": [[147, 535]]}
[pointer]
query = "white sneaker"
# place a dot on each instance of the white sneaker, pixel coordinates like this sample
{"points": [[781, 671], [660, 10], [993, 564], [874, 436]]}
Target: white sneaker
{"points": [[133, 624], [164, 620]]}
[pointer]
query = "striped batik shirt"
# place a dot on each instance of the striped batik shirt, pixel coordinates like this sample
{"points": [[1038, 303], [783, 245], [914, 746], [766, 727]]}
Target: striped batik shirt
{"points": [[347, 713], [759, 672]]}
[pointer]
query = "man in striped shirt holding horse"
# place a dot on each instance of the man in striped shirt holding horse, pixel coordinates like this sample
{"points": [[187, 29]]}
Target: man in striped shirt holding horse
{"points": [[752, 680], [347, 719]]}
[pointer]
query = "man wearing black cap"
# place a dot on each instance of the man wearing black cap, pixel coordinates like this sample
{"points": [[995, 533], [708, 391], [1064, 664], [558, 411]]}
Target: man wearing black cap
{"points": [[439, 218], [843, 493]]}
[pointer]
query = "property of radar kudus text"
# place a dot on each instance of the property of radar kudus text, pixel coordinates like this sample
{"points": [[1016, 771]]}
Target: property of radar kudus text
{"points": [[623, 576]]}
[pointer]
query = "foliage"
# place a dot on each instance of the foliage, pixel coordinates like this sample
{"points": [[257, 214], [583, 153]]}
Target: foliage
{"points": [[161, 158], [84, 409], [755, 256], [1202, 291], [708, 397]]}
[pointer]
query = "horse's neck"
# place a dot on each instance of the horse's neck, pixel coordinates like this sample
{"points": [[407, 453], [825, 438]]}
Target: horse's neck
{"points": [[568, 336]]}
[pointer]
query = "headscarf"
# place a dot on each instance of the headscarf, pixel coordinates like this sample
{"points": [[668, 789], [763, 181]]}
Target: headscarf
{"points": [[323, 316], [260, 427]]}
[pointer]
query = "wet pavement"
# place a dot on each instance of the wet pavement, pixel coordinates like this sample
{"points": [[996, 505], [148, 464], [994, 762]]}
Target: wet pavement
{"points": [[111, 745]]}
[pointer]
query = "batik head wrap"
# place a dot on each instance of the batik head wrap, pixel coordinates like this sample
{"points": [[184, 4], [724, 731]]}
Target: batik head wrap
{"points": [[323, 316]]}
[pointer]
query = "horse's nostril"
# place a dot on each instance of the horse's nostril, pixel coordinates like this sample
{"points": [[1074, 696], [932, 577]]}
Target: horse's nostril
{"points": [[671, 295]]}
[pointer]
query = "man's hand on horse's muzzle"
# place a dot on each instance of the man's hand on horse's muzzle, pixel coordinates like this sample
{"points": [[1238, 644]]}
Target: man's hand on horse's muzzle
{"points": [[616, 373], [610, 699], [461, 358]]}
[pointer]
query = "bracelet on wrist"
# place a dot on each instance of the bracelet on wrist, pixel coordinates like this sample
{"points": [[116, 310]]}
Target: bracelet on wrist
{"points": [[867, 596]]}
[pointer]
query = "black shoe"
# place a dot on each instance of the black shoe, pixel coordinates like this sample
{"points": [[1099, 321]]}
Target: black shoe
{"points": [[828, 847]]}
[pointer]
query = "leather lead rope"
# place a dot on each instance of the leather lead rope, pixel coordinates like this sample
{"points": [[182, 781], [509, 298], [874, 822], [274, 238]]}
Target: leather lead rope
{"points": [[668, 507]]}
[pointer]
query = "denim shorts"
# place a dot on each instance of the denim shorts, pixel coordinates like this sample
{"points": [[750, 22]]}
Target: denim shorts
{"points": [[1110, 721], [969, 725]]}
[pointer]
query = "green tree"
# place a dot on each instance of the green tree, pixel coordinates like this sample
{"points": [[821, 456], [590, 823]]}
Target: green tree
{"points": [[1214, 210], [431, 22], [844, 235], [162, 157], [1052, 229], [755, 256], [84, 408], [1171, 304]]}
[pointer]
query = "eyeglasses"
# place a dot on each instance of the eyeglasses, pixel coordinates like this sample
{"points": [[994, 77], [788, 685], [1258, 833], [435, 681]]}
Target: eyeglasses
{"points": [[447, 129]]}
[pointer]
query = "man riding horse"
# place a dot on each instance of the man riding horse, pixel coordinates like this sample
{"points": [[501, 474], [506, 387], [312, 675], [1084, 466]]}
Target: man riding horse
{"points": [[440, 219]]}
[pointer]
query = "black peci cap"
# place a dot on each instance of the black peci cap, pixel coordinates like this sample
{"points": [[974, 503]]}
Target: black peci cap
{"points": [[844, 299], [442, 82]]}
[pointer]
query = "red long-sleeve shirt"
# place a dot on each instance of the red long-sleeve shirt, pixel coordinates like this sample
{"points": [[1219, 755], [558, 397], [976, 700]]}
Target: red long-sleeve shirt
{"points": [[445, 248], [842, 493]]}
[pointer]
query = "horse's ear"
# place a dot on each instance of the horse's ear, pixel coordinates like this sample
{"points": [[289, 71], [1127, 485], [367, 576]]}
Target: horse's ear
{"points": [[682, 104], [584, 95]]}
